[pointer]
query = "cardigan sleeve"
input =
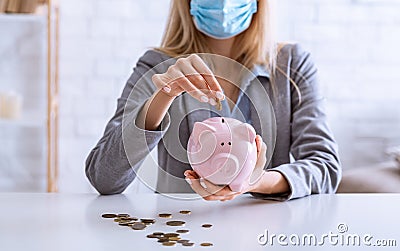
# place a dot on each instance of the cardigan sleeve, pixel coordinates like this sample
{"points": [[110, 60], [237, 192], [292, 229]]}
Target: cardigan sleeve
{"points": [[111, 166], [316, 168]]}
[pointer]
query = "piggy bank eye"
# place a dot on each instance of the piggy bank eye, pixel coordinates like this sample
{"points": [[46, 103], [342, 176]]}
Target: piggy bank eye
{"points": [[223, 120], [222, 144], [229, 143]]}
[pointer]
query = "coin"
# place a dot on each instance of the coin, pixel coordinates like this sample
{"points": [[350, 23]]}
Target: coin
{"points": [[129, 218], [206, 244], [151, 236], [163, 239], [187, 244], [182, 241], [206, 225], [123, 215], [185, 212], [138, 226], [165, 215], [171, 235], [158, 233], [219, 105], [169, 243], [182, 231], [149, 221], [125, 223], [175, 223], [118, 220], [174, 238], [108, 216]]}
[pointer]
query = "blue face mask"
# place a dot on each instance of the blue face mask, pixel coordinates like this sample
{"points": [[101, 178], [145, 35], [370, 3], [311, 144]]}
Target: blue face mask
{"points": [[222, 19]]}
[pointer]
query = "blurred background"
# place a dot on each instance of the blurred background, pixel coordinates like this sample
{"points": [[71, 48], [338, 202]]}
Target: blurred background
{"points": [[355, 44]]}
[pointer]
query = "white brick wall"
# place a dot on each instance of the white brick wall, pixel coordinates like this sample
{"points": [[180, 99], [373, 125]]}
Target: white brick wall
{"points": [[100, 44], [354, 43]]}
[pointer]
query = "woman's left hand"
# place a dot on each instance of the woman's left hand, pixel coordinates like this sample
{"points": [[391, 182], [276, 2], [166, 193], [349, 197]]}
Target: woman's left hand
{"points": [[210, 191]]}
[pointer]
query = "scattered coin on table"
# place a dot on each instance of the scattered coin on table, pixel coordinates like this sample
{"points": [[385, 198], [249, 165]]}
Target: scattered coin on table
{"points": [[169, 243], [187, 244], [206, 244], [165, 215], [165, 239], [171, 235], [175, 223], [123, 215], [151, 221], [182, 241], [182, 231], [138, 226], [109, 216], [129, 218], [185, 212], [125, 223]]}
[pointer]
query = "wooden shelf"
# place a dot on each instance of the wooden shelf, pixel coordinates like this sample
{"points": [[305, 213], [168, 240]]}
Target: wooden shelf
{"points": [[48, 16]]}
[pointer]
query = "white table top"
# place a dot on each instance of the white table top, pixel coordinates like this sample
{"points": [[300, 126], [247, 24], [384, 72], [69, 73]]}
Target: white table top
{"points": [[74, 222]]}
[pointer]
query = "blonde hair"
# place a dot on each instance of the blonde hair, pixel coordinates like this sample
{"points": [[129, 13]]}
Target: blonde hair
{"points": [[255, 45]]}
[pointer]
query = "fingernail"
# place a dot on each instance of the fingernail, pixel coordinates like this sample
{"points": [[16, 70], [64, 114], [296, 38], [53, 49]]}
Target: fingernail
{"points": [[212, 101], [188, 181], [220, 95], [167, 89], [204, 99], [202, 183]]}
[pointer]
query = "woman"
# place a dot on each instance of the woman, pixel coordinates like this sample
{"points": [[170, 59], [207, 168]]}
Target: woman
{"points": [[240, 30]]}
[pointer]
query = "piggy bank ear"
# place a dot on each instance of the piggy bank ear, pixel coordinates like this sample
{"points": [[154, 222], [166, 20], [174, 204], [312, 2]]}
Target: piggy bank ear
{"points": [[245, 131], [204, 143]]}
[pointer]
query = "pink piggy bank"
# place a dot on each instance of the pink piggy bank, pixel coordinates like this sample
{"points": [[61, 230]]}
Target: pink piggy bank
{"points": [[223, 151]]}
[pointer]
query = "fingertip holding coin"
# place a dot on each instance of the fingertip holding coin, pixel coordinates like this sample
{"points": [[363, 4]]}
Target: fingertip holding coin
{"points": [[220, 95]]}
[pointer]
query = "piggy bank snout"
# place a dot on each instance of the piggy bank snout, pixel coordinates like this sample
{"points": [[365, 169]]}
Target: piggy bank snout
{"points": [[225, 164]]}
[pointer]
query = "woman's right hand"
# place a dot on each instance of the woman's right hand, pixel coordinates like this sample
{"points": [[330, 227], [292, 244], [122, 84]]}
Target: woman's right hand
{"points": [[191, 75]]}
